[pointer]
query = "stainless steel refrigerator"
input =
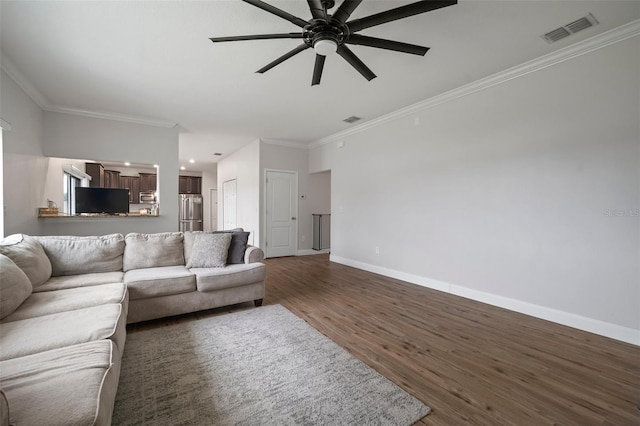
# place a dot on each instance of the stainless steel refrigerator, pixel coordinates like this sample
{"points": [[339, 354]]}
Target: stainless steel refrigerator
{"points": [[190, 214]]}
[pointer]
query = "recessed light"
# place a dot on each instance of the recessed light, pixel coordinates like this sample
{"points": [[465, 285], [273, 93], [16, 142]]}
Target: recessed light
{"points": [[127, 163], [183, 168], [192, 161]]}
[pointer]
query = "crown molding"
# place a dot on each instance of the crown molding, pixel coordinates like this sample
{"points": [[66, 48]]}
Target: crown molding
{"points": [[111, 116], [18, 77], [5, 125], [7, 65], [284, 143], [599, 41]]}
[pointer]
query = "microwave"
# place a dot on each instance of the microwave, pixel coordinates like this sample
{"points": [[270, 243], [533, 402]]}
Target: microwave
{"points": [[147, 197]]}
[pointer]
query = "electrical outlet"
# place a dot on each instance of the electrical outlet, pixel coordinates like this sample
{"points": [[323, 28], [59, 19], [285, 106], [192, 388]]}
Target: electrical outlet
{"points": [[377, 250], [303, 237]]}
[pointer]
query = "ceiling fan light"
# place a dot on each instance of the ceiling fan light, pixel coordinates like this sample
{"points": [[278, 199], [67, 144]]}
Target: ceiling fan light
{"points": [[325, 47]]}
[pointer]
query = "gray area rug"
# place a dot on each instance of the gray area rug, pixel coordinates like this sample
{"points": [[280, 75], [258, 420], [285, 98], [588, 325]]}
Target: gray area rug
{"points": [[263, 366]]}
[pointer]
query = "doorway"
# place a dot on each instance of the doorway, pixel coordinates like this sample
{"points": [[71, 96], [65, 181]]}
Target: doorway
{"points": [[281, 203]]}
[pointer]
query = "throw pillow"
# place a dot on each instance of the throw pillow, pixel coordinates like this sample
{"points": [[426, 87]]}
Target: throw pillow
{"points": [[209, 251], [239, 240], [15, 286], [27, 253]]}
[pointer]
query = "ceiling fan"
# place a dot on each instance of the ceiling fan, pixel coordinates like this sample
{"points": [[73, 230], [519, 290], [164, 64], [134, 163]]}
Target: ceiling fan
{"points": [[327, 33]]}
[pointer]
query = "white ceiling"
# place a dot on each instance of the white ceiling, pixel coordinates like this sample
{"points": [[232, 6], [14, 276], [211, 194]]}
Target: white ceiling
{"points": [[153, 60]]}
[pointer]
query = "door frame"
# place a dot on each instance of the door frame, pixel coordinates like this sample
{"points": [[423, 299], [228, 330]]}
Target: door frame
{"points": [[235, 180], [213, 208], [265, 204]]}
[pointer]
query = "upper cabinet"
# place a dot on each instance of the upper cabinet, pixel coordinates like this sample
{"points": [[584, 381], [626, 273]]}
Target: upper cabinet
{"points": [[102, 178], [132, 183], [190, 185], [145, 182], [96, 171], [148, 182], [111, 179]]}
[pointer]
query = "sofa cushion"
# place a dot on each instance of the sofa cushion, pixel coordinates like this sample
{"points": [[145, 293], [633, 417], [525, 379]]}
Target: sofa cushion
{"points": [[209, 251], [239, 240], [161, 281], [39, 334], [211, 279], [66, 386], [53, 302], [28, 254], [81, 280], [15, 286], [189, 238], [153, 250], [4, 409], [71, 255]]}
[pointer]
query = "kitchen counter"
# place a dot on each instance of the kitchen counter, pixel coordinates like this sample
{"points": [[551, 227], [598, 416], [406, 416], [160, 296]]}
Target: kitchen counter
{"points": [[96, 216]]}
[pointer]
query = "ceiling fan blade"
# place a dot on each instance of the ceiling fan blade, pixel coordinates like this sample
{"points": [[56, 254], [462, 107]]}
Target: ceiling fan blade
{"points": [[278, 12], [283, 58], [317, 9], [397, 13], [317, 69], [355, 62], [256, 37], [345, 10], [381, 43]]}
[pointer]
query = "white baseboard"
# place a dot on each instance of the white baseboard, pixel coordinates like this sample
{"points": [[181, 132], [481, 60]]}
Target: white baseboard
{"points": [[613, 331], [310, 252]]}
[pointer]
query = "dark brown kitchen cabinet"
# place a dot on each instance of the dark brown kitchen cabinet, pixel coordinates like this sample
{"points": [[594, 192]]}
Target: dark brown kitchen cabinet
{"points": [[97, 172], [148, 182], [134, 192], [196, 185], [190, 185], [183, 184], [111, 179], [102, 178], [132, 183]]}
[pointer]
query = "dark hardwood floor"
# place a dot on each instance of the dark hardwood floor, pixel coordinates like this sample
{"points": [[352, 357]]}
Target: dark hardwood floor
{"points": [[471, 363]]}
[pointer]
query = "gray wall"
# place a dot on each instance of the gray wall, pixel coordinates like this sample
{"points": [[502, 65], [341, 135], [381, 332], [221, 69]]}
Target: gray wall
{"points": [[36, 135], [209, 182], [524, 194], [279, 157], [248, 166], [74, 136], [24, 166], [244, 166]]}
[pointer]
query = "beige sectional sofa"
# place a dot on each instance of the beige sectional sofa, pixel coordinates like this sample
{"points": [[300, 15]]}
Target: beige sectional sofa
{"points": [[65, 302]]}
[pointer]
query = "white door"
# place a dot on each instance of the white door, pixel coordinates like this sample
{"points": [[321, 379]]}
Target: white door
{"points": [[213, 209], [229, 202], [281, 214]]}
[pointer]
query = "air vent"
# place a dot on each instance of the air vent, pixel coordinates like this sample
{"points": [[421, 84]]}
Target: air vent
{"points": [[581, 24], [352, 119], [217, 154], [571, 28], [556, 35]]}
